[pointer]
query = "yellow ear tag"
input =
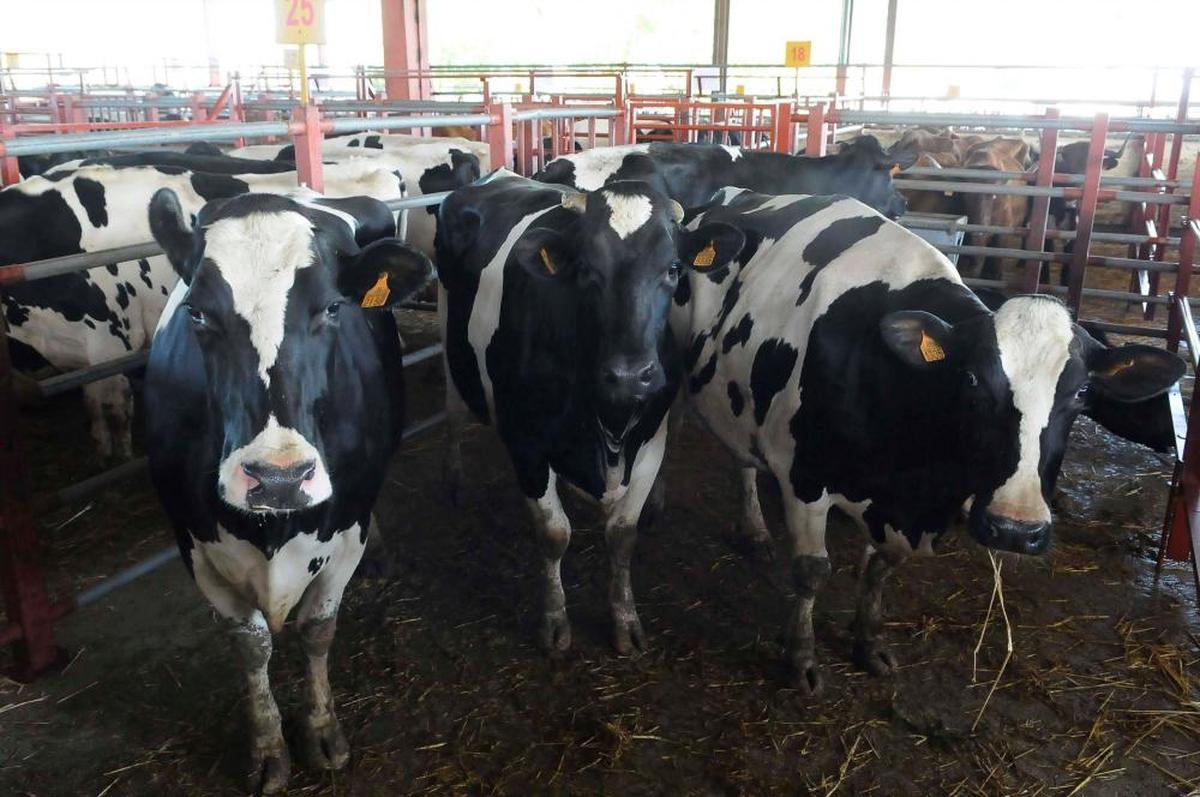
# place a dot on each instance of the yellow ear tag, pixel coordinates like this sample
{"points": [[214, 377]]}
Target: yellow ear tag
{"points": [[705, 257], [895, 169], [379, 293], [931, 352], [546, 261]]}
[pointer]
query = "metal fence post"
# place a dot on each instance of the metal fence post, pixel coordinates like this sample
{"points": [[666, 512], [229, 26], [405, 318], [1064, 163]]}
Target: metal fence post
{"points": [[500, 134], [1187, 260], [814, 145], [22, 579], [784, 135], [1087, 211], [10, 169], [307, 142], [1035, 239]]}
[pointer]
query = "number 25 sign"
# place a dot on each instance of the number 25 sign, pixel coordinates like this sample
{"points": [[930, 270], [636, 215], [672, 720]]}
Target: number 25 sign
{"points": [[300, 21]]}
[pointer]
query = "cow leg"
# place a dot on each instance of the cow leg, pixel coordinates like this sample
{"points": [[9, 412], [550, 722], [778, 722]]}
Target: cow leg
{"points": [[377, 558], [554, 534], [94, 404], [752, 533], [657, 499], [324, 743], [810, 569], [870, 652], [270, 764], [456, 419], [118, 412], [620, 532]]}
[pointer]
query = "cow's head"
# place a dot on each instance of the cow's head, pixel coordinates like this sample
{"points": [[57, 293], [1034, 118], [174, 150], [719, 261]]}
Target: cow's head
{"points": [[1016, 382], [272, 285], [625, 255], [868, 176]]}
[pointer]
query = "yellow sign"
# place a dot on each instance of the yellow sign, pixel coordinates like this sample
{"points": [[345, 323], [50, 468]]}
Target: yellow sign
{"points": [[798, 54], [740, 90], [300, 21], [12, 60]]}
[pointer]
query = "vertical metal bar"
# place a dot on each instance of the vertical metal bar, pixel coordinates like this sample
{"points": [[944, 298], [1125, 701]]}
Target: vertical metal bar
{"points": [[500, 135], [22, 580], [889, 51], [1187, 259], [10, 171], [1035, 239], [814, 145], [785, 134], [720, 55], [1087, 211], [307, 142], [844, 46]]}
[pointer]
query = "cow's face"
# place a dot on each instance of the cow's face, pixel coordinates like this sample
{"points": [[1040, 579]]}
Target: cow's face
{"points": [[1016, 382], [624, 257], [271, 285], [874, 168]]}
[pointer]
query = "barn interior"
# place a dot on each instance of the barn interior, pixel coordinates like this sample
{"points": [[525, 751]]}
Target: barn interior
{"points": [[1066, 166]]}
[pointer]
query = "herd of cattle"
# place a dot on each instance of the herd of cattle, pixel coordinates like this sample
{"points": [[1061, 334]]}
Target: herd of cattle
{"points": [[582, 312]]}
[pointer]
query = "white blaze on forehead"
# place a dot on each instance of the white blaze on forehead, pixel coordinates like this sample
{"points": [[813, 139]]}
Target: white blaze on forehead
{"points": [[628, 212], [259, 255], [595, 166], [1034, 336]]}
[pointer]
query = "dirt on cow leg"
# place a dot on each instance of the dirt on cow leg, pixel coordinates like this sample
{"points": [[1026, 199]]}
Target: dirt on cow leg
{"points": [[270, 764]]}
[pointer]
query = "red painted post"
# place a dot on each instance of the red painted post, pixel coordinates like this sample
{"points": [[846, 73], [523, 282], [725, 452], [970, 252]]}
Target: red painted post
{"points": [[1187, 261], [1087, 212], [784, 135], [307, 141], [814, 145], [10, 171], [620, 126], [406, 49], [1035, 239], [198, 112], [500, 134], [22, 580]]}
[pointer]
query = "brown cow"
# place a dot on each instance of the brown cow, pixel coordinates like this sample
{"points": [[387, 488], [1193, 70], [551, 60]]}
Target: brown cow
{"points": [[1004, 210]]}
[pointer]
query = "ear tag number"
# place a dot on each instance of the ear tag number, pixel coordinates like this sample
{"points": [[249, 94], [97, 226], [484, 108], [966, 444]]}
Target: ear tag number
{"points": [[546, 261], [931, 352], [379, 293], [705, 257]]}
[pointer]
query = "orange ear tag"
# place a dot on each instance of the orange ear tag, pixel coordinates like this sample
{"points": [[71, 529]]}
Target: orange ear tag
{"points": [[895, 169], [379, 293], [705, 257], [931, 352], [1118, 368], [546, 261]]}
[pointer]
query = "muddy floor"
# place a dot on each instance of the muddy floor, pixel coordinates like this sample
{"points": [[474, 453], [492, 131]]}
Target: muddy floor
{"points": [[441, 688]]}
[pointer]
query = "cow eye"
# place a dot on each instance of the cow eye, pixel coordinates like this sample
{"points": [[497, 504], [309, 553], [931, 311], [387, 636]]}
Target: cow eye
{"points": [[332, 310], [1082, 393], [199, 318], [972, 380], [673, 271]]}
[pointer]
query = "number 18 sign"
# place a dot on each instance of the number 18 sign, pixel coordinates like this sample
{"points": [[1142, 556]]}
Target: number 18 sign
{"points": [[300, 21]]}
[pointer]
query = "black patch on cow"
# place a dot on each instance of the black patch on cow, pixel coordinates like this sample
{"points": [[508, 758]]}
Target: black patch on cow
{"points": [[736, 402], [89, 323], [144, 272], [91, 196], [129, 287], [164, 290], [739, 334], [112, 268], [704, 375], [174, 170], [773, 364], [354, 142], [217, 186], [315, 564], [683, 291], [122, 297], [462, 170], [831, 242], [373, 142]]}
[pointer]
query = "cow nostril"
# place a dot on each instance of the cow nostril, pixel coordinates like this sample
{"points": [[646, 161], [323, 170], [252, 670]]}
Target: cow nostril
{"points": [[251, 472], [309, 473], [610, 377], [647, 375]]}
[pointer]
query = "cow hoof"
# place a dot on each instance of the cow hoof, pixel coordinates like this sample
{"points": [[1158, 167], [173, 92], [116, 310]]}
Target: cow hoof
{"points": [[806, 676], [326, 746], [270, 770], [629, 637], [556, 632], [874, 657]]}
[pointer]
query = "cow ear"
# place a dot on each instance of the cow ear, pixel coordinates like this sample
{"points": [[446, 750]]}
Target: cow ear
{"points": [[384, 273], [710, 247], [172, 232], [543, 253], [1134, 372], [920, 339]]}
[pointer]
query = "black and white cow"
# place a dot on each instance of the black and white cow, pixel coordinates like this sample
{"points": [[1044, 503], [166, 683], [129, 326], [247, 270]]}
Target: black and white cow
{"points": [[273, 404], [83, 318], [554, 308], [843, 355], [691, 173]]}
